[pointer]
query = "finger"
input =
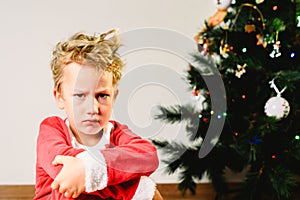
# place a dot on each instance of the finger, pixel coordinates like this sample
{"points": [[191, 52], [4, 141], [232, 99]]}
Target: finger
{"points": [[67, 194], [54, 185], [75, 194], [59, 159], [62, 190]]}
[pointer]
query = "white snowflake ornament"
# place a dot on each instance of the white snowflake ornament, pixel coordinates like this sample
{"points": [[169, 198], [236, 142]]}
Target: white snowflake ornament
{"points": [[277, 107], [241, 69]]}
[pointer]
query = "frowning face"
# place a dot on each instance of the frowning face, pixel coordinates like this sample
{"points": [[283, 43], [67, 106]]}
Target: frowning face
{"points": [[87, 96]]}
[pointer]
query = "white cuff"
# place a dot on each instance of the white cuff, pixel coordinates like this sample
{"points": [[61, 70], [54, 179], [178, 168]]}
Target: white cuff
{"points": [[145, 189], [95, 170]]}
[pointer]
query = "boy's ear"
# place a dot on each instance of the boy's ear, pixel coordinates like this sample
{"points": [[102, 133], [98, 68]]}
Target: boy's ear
{"points": [[59, 99], [116, 94]]}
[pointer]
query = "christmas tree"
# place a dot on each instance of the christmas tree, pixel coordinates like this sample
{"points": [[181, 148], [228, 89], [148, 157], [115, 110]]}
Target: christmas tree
{"points": [[246, 79]]}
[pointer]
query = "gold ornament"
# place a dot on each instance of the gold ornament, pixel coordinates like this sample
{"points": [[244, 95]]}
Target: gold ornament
{"points": [[249, 28], [224, 49]]}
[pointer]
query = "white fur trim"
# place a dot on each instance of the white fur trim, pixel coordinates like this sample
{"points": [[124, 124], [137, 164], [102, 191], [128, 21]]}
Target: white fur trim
{"points": [[95, 170], [145, 189]]}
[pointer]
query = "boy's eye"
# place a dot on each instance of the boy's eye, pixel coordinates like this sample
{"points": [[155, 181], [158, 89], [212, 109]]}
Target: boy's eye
{"points": [[102, 96], [79, 95]]}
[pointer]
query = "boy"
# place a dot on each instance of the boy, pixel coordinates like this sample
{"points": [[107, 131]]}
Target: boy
{"points": [[88, 156]]}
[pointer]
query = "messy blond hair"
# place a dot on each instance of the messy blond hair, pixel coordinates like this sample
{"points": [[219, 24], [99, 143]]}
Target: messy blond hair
{"points": [[94, 50]]}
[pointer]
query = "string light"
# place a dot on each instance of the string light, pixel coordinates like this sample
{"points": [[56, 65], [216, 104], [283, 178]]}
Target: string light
{"points": [[297, 137], [196, 92], [205, 119], [243, 96], [273, 156], [219, 116], [254, 141], [292, 55]]}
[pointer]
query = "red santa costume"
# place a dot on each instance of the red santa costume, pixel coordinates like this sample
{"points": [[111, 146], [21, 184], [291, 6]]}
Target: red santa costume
{"points": [[117, 168]]}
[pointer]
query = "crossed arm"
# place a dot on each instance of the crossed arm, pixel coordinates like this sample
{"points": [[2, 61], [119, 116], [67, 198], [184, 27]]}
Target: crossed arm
{"points": [[131, 157]]}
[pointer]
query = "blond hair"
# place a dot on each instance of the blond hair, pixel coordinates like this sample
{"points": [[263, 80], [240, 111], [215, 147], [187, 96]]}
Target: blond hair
{"points": [[95, 50]]}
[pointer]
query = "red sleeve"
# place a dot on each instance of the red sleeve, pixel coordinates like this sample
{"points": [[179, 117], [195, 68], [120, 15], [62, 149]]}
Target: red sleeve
{"points": [[53, 140], [130, 156]]}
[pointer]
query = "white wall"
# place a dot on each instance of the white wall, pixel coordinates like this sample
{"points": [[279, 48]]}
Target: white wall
{"points": [[29, 31]]}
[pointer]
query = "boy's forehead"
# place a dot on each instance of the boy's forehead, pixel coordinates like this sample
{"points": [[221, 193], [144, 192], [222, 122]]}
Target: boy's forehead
{"points": [[81, 74]]}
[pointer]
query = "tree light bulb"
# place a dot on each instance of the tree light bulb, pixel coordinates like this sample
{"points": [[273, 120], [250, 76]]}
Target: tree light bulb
{"points": [[292, 55]]}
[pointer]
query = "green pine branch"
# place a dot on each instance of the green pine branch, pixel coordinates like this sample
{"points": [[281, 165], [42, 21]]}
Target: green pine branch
{"points": [[176, 113]]}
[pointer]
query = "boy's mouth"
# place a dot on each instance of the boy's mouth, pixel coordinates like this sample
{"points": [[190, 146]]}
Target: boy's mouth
{"points": [[91, 121]]}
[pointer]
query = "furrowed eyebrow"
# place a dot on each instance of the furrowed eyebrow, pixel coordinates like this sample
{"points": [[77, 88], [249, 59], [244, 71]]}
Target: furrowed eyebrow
{"points": [[101, 90]]}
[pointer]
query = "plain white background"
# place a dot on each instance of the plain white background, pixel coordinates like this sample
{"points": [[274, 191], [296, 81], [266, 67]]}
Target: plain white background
{"points": [[29, 31]]}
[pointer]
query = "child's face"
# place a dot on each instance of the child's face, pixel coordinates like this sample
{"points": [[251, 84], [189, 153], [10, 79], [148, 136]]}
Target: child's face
{"points": [[87, 97]]}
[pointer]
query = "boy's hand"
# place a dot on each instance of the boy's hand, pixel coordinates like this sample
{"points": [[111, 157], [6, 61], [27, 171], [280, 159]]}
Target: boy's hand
{"points": [[70, 181]]}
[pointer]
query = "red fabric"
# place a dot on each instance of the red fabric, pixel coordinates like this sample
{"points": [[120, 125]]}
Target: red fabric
{"points": [[128, 158]]}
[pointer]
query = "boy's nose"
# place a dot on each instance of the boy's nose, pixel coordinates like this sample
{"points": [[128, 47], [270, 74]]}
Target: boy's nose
{"points": [[94, 107]]}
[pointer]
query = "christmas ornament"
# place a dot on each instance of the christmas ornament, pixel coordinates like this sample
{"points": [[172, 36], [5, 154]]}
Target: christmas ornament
{"points": [[277, 106], [195, 92], [224, 47], [275, 52], [202, 43], [217, 18], [249, 28], [278, 26], [240, 70], [203, 46], [261, 40], [222, 4], [259, 1]]}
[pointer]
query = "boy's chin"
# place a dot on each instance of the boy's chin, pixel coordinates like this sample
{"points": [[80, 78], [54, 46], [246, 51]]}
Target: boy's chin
{"points": [[91, 131]]}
